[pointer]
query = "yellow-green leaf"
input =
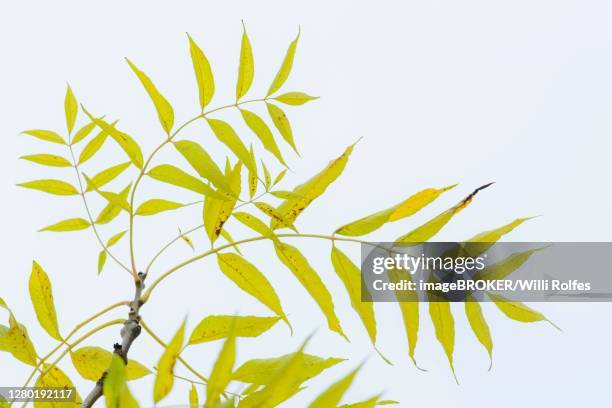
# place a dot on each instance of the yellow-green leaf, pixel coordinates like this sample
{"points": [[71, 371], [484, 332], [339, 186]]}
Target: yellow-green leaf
{"points": [[253, 177], [116, 199], [432, 227], [111, 211], [503, 268], [217, 211], [108, 175], [53, 377], [305, 193], [51, 160], [226, 235], [310, 280], [517, 311], [285, 69], [83, 132], [248, 278], [115, 238], [369, 403], [164, 109], [444, 325], [193, 397], [479, 326], [409, 308], [333, 394], [295, 98], [102, 256], [72, 224], [203, 73], [71, 109], [115, 389], [483, 241], [55, 187], [219, 327], [93, 146], [263, 132], [125, 141], [46, 135], [279, 177], [167, 173], [91, 362], [246, 67], [254, 223], [165, 368], [273, 213], [222, 371], [226, 134], [157, 205], [202, 163], [406, 208], [267, 176], [17, 342], [282, 124], [350, 276]]}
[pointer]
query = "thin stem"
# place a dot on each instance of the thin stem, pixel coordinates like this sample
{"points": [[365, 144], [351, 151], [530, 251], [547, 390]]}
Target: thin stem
{"points": [[152, 155], [189, 261]]}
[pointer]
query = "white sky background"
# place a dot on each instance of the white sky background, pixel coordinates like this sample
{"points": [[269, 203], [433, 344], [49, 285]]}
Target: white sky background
{"points": [[443, 92]]}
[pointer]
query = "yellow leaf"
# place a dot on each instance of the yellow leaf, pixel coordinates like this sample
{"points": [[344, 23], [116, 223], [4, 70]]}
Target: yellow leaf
{"points": [[202, 163], [55, 378], [102, 256], [115, 389], [333, 394], [108, 175], [193, 397], [426, 231], [263, 132], [253, 178], [111, 211], [72, 224], [125, 141], [479, 326], [71, 109], [503, 268], [17, 341], [246, 68], [48, 160], [406, 208], [217, 211], [305, 193], [91, 362], [157, 205], [42, 300], [285, 69], [295, 98], [219, 327], [165, 368], [301, 269], [369, 403], [254, 223], [409, 308], [164, 109], [279, 177], [282, 124], [112, 198], [167, 173], [272, 213], [248, 278], [226, 235], [226, 134], [46, 135], [83, 132], [350, 276], [481, 242], [93, 146], [518, 311], [203, 73], [267, 176], [222, 371], [115, 238], [444, 325], [55, 187]]}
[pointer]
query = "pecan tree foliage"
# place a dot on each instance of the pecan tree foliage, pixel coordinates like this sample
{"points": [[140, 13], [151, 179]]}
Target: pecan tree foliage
{"points": [[242, 191]]}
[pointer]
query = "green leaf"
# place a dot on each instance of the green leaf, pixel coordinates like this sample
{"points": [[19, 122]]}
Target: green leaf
{"points": [[282, 124], [219, 327], [72, 224], [246, 68], [48, 160], [46, 135], [307, 192], [295, 98], [350, 276], [310, 280], [164, 109], [108, 175], [202, 163], [285, 69], [92, 362], [222, 371], [203, 73], [115, 389], [42, 300], [226, 134], [263, 132], [55, 187], [71, 109], [93, 146], [406, 208], [167, 173], [333, 394], [83, 132], [479, 326], [248, 278], [165, 368], [444, 325], [156, 205], [111, 211]]}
